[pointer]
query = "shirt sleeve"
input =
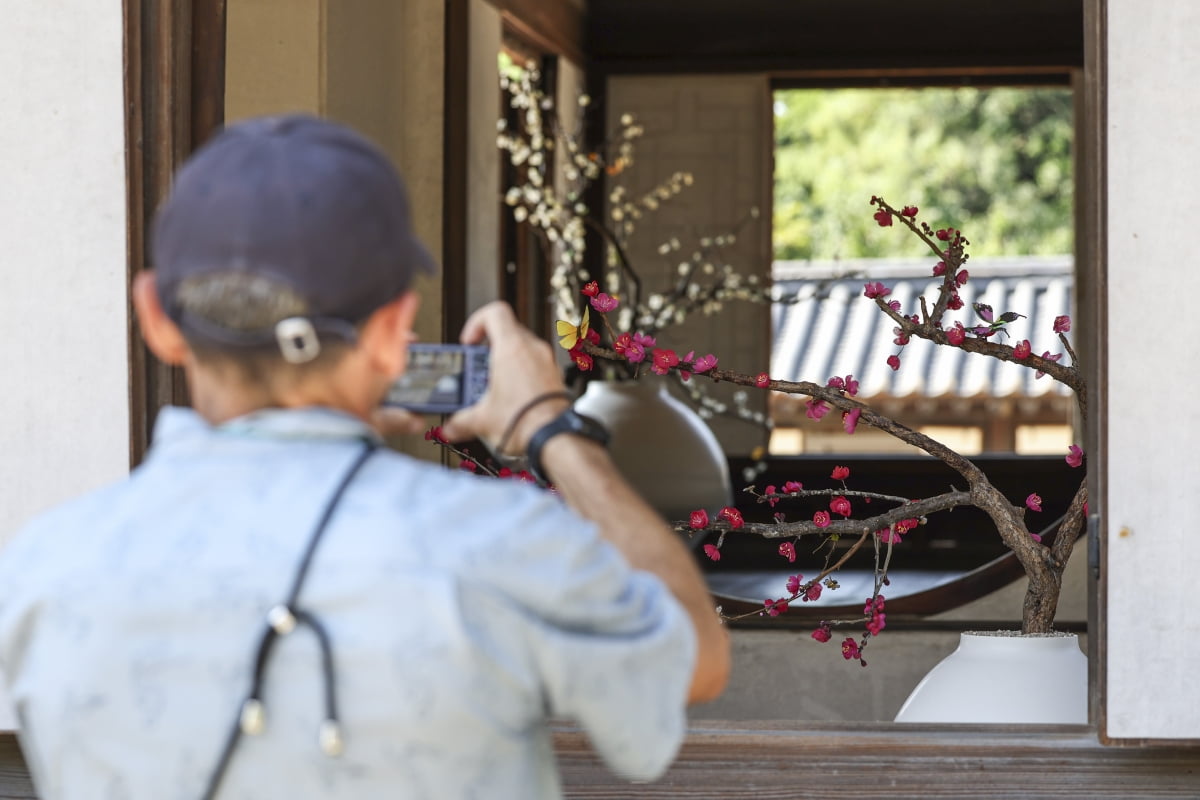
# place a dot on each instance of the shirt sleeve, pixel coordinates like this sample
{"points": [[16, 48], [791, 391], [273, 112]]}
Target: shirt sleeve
{"points": [[613, 648]]}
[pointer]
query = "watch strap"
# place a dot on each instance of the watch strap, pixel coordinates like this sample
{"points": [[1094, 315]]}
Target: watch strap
{"points": [[569, 421]]}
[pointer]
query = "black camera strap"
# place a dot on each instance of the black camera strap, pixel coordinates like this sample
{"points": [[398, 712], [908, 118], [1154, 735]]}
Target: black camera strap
{"points": [[281, 620]]}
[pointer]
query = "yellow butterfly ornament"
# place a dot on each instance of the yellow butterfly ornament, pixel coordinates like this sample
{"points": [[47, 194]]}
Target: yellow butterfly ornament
{"points": [[570, 334]]}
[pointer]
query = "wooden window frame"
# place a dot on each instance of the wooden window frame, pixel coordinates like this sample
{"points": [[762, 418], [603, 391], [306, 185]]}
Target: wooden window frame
{"points": [[175, 99], [750, 759]]}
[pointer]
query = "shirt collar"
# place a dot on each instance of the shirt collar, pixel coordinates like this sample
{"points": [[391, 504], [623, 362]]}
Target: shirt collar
{"points": [[175, 423]]}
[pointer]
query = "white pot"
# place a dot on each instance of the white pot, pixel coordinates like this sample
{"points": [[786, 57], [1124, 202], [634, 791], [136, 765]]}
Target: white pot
{"points": [[661, 446], [1003, 676]]}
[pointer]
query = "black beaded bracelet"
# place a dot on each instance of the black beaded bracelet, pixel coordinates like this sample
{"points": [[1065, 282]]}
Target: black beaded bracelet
{"points": [[512, 425]]}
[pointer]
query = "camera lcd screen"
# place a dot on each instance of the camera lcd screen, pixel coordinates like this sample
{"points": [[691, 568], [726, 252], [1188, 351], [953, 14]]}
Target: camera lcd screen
{"points": [[433, 378]]}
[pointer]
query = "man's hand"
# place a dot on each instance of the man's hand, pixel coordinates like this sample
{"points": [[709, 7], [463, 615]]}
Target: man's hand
{"points": [[393, 421], [521, 367]]}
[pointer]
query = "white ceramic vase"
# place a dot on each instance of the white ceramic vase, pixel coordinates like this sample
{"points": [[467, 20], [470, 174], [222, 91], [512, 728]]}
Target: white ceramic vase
{"points": [[1005, 677], [661, 446]]}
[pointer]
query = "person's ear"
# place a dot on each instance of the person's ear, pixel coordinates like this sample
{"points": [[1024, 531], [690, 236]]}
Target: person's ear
{"points": [[159, 332], [386, 334]]}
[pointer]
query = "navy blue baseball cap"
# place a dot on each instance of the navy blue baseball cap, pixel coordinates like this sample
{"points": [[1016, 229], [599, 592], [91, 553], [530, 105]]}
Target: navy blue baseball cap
{"points": [[302, 201]]}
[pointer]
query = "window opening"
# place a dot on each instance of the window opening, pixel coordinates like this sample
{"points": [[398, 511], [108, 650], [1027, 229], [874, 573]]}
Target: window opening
{"points": [[992, 162]]}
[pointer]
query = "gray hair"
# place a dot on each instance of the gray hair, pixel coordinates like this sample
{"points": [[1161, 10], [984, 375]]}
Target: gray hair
{"points": [[239, 301]]}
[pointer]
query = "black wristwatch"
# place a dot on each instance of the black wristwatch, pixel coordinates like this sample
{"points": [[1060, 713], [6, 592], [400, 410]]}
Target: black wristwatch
{"points": [[569, 421]]}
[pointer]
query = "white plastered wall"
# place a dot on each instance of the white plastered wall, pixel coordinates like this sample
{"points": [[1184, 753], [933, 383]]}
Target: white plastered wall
{"points": [[1153, 444], [63, 298]]}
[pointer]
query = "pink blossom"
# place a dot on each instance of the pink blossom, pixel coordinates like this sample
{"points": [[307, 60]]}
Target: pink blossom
{"points": [[850, 650], [850, 419], [962, 277], [788, 551], [1033, 502], [956, 335], [635, 353], [840, 473], [763, 380], [769, 493], [1046, 355], [840, 505], [733, 516], [621, 343], [894, 305], [955, 302], [1037, 537], [685, 365], [712, 552], [822, 634], [815, 409], [894, 362], [906, 525], [582, 360], [943, 234], [644, 340], [793, 486], [878, 623], [888, 536], [793, 583], [1062, 324], [699, 519], [1022, 350], [1075, 455], [775, 607], [939, 268], [836, 382], [468, 464], [821, 519], [704, 363], [603, 302], [901, 337], [435, 434], [812, 593], [876, 289], [851, 385], [909, 211], [883, 218], [663, 361], [591, 288]]}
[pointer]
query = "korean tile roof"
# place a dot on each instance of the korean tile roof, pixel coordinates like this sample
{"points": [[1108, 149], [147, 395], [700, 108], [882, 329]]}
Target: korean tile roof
{"points": [[835, 330]]}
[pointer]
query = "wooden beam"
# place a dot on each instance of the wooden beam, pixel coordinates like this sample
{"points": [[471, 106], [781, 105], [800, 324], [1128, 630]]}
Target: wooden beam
{"points": [[208, 69], [1091, 280], [455, 158], [657, 36], [552, 26]]}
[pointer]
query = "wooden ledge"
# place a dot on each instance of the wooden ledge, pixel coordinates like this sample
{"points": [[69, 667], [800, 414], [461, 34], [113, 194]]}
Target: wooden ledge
{"points": [[874, 761], [864, 761]]}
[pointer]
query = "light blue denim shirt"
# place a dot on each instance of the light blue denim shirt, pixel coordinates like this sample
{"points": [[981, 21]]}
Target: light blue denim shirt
{"points": [[463, 611]]}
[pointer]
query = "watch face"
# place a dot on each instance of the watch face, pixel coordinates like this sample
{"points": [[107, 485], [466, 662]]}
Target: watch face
{"points": [[587, 426]]}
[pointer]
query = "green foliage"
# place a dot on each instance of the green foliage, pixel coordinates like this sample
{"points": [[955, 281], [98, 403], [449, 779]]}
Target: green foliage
{"points": [[994, 163]]}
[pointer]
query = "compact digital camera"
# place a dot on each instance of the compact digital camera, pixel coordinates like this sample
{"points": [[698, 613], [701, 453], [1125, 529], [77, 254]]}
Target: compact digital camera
{"points": [[440, 378]]}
